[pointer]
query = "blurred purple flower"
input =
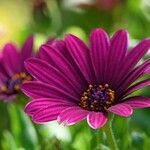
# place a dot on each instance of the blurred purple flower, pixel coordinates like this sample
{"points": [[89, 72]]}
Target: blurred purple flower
{"points": [[74, 82], [12, 70]]}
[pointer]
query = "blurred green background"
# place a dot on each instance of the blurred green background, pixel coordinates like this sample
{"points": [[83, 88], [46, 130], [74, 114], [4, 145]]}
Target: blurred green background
{"points": [[55, 18]]}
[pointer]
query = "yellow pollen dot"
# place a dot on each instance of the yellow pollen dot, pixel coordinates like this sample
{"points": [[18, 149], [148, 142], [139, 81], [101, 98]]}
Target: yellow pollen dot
{"points": [[85, 93], [90, 86], [100, 86], [105, 107], [85, 97], [88, 90], [95, 101], [3, 88], [17, 87], [23, 75], [106, 85], [108, 102]]}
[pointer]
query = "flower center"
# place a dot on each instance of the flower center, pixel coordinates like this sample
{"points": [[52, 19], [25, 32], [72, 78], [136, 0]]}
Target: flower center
{"points": [[12, 85], [97, 98]]}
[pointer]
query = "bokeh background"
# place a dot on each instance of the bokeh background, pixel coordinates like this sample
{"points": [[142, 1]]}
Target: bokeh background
{"points": [[53, 19]]}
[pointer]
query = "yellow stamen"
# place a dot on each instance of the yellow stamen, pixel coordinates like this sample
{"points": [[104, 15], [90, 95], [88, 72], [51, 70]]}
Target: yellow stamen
{"points": [[17, 87], [3, 88]]}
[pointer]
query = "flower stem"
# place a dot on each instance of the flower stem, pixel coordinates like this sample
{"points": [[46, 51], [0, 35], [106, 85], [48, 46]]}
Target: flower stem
{"points": [[110, 135]]}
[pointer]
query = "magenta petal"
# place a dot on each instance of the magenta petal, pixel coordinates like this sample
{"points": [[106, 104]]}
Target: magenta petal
{"points": [[48, 113], [133, 58], [27, 49], [137, 53], [81, 56], [99, 44], [50, 40], [36, 89], [3, 72], [72, 115], [138, 102], [117, 53], [11, 59], [44, 72], [55, 58], [137, 86], [96, 120], [124, 110], [136, 73], [35, 105], [60, 45]]}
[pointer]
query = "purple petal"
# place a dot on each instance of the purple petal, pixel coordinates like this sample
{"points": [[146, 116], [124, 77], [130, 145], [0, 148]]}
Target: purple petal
{"points": [[124, 110], [58, 61], [96, 120], [60, 45], [133, 58], [137, 86], [44, 72], [81, 56], [11, 59], [117, 53], [3, 73], [48, 113], [134, 75], [27, 48], [35, 89], [72, 115], [61, 48], [50, 40], [137, 53], [99, 44], [35, 105], [138, 102]]}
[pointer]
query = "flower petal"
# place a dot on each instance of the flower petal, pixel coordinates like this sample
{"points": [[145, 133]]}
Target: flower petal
{"points": [[137, 86], [117, 53], [44, 72], [96, 120], [11, 59], [72, 115], [35, 105], [48, 113], [58, 61], [138, 102], [81, 56], [3, 73], [134, 75], [124, 110], [133, 58], [99, 44], [27, 48], [137, 53], [36, 89]]}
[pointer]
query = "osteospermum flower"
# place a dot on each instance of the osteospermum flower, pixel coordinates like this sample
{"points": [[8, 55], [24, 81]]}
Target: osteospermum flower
{"points": [[75, 81], [12, 70]]}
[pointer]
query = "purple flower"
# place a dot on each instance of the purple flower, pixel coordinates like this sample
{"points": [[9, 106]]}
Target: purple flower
{"points": [[12, 70], [74, 82]]}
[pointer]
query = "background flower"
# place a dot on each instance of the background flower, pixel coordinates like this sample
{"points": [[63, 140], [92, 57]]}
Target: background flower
{"points": [[12, 71]]}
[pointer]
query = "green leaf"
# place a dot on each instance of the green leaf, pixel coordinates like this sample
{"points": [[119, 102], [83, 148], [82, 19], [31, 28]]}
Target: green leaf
{"points": [[22, 128]]}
